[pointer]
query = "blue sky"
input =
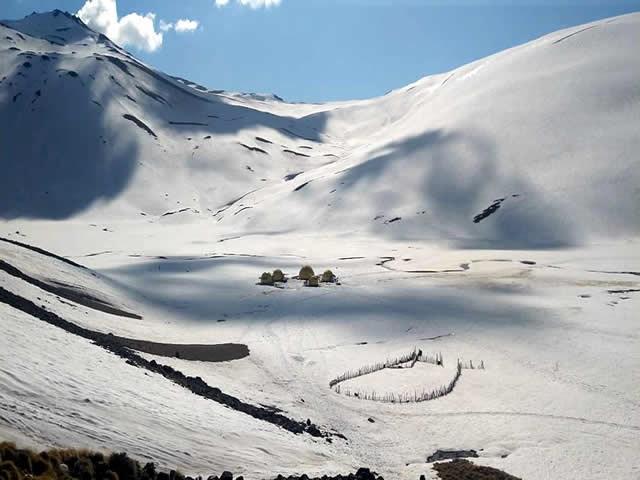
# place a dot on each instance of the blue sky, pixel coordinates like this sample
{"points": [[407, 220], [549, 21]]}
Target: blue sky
{"points": [[319, 50]]}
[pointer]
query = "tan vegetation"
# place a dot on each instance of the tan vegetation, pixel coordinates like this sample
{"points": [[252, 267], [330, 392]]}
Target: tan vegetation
{"points": [[328, 277], [278, 276], [266, 279], [306, 272]]}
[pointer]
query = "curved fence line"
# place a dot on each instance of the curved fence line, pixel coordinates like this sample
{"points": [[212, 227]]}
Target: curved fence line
{"points": [[390, 397]]}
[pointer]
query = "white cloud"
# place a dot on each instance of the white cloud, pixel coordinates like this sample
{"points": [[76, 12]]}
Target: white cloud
{"points": [[251, 3], [186, 25], [164, 26], [132, 29]]}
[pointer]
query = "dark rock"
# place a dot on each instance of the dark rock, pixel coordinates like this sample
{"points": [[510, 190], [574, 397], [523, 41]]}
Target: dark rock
{"points": [[149, 471], [365, 474], [450, 454], [114, 345], [371, 420], [314, 431], [226, 475]]}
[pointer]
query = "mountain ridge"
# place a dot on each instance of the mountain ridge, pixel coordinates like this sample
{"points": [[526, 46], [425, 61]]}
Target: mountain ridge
{"points": [[478, 117]]}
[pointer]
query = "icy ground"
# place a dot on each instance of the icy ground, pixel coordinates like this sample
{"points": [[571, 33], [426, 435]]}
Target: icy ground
{"points": [[544, 289]]}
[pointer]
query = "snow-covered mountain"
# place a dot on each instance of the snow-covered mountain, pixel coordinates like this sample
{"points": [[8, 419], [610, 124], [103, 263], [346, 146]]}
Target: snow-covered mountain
{"points": [[490, 213], [550, 126]]}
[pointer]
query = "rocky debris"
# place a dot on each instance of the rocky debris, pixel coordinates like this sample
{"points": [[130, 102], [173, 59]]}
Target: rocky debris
{"points": [[175, 211], [140, 124], [158, 98], [623, 291], [195, 384], [42, 252], [70, 293], [300, 187], [253, 149], [114, 80], [226, 475], [291, 176], [450, 454], [297, 154], [491, 209], [461, 469], [195, 124], [117, 62], [361, 474]]}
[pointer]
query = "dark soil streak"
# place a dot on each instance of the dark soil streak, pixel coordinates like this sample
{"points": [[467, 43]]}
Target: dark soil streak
{"points": [[253, 149], [572, 34], [197, 124], [153, 95], [139, 124], [491, 209], [42, 252], [72, 294], [286, 150], [242, 210], [291, 176], [194, 384], [300, 187]]}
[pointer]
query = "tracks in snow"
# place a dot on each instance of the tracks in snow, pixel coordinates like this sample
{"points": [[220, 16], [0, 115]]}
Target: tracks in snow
{"points": [[194, 384]]}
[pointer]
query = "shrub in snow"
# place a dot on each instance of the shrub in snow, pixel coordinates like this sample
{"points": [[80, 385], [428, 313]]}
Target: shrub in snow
{"points": [[266, 279], [123, 466], [9, 471], [278, 276], [313, 281], [306, 272], [328, 276], [83, 469], [76, 464]]}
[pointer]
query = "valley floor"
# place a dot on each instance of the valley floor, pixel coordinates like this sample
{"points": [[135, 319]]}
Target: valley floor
{"points": [[555, 330]]}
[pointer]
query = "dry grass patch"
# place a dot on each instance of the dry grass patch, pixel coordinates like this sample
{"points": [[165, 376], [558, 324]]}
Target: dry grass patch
{"points": [[465, 470]]}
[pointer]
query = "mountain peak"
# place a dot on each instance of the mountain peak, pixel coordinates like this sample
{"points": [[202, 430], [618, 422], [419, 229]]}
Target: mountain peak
{"points": [[56, 27]]}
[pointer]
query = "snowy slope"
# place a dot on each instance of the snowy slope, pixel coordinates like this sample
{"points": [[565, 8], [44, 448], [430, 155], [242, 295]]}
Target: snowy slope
{"points": [[177, 197], [553, 121]]}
